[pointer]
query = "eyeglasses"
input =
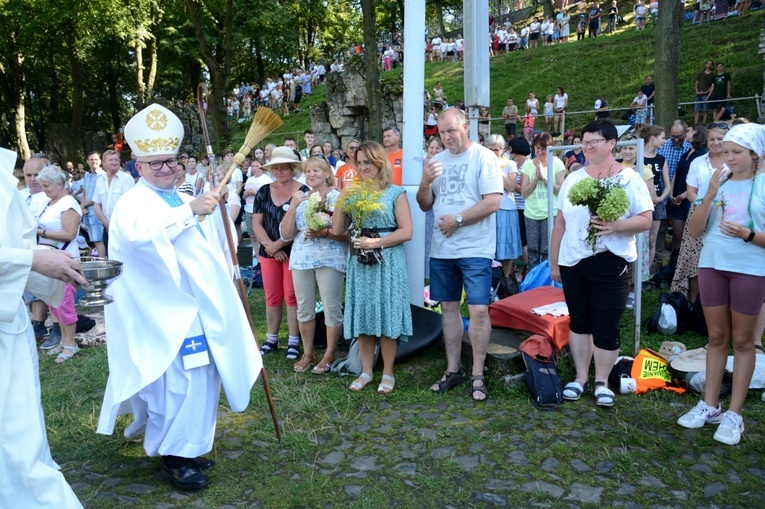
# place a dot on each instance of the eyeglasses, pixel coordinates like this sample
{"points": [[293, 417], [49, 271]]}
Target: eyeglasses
{"points": [[157, 165], [719, 125], [353, 147], [365, 163], [677, 136], [593, 143]]}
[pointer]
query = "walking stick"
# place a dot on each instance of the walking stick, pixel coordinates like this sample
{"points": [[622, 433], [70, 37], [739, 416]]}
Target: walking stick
{"points": [[263, 123]]}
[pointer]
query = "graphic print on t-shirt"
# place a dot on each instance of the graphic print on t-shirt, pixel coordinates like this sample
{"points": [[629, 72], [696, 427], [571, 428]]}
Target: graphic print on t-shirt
{"points": [[452, 184]]}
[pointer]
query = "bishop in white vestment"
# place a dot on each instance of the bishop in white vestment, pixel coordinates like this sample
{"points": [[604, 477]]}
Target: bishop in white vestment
{"points": [[176, 330]]}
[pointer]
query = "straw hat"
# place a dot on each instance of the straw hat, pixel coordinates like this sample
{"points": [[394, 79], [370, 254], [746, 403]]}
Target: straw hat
{"points": [[283, 155], [154, 130]]}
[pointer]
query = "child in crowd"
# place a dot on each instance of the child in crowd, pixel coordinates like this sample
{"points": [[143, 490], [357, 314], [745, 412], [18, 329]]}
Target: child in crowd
{"points": [[549, 113], [581, 27], [528, 127]]}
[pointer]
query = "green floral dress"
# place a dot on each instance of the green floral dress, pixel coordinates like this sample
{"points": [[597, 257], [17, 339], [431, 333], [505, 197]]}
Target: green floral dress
{"points": [[377, 296]]}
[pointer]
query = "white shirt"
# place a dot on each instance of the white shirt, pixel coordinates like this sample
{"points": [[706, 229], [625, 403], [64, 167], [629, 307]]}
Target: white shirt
{"points": [[107, 194], [574, 246]]}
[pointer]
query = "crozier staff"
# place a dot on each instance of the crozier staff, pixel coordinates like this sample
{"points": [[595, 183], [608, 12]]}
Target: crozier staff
{"points": [[168, 373]]}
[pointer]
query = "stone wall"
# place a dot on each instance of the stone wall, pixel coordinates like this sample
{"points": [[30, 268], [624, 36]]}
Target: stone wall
{"points": [[345, 113]]}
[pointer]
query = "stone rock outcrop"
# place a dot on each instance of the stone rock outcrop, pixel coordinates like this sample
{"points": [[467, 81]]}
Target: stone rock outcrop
{"points": [[345, 113]]}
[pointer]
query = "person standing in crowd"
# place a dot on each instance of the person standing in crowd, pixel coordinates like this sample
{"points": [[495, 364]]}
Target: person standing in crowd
{"points": [[435, 146], [508, 232], [92, 224], [30, 477], [720, 92], [678, 212], [593, 20], [731, 217], [255, 180], [377, 295], [703, 88], [653, 139], [700, 171], [510, 114], [649, 90], [36, 201], [534, 190], [169, 372], [563, 25], [675, 146], [391, 140], [575, 156], [463, 186], [560, 107], [318, 260], [519, 153], [309, 138], [110, 188], [347, 172], [58, 227], [270, 206], [596, 284], [193, 176]]}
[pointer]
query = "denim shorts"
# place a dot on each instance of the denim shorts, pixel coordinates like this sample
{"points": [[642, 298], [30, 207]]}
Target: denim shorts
{"points": [[700, 105], [448, 276]]}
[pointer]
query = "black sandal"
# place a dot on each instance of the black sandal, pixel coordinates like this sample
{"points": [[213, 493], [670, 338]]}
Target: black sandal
{"points": [[478, 388], [451, 380]]}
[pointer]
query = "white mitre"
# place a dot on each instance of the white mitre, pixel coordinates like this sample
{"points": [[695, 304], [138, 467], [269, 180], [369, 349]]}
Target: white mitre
{"points": [[154, 130]]}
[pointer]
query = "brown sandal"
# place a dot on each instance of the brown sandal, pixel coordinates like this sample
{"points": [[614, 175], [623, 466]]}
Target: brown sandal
{"points": [[303, 364], [323, 367]]}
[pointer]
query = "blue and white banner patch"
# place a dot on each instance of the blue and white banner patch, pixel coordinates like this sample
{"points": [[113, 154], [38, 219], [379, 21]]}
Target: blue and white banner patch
{"points": [[194, 352]]}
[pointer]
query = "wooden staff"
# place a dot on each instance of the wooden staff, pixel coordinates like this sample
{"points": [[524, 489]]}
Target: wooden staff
{"points": [[263, 123]]}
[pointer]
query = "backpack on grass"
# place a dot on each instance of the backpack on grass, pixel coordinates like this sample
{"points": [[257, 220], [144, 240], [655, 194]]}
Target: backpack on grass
{"points": [[542, 378], [351, 365]]}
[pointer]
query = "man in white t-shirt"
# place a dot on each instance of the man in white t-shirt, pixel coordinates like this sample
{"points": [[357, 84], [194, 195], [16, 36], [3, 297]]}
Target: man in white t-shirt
{"points": [[463, 187], [110, 188], [436, 43]]}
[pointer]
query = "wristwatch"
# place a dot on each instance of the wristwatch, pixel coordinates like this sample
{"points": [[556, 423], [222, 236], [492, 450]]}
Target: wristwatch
{"points": [[44, 233], [458, 218], [750, 237]]}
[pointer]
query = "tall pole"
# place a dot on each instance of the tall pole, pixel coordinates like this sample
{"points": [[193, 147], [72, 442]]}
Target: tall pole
{"points": [[476, 15], [414, 85]]}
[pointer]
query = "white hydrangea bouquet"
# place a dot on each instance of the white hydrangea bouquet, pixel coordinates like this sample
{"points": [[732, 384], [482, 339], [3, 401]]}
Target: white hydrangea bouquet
{"points": [[318, 215]]}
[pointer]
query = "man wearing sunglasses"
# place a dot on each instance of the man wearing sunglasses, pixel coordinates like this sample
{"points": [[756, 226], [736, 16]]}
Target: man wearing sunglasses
{"points": [[176, 329]]}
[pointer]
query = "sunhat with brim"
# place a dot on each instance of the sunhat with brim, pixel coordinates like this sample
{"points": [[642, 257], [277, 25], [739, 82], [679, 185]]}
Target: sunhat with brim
{"points": [[283, 155], [691, 361]]}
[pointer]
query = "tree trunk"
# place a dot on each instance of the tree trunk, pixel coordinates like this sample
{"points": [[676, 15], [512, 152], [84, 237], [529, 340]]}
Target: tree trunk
{"points": [[77, 106], [547, 5], [217, 80], [152, 68], [440, 16], [15, 82], [667, 64], [368, 8], [139, 102], [21, 130]]}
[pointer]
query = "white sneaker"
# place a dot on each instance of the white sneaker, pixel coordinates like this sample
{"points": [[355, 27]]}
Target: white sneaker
{"points": [[730, 429], [700, 415]]}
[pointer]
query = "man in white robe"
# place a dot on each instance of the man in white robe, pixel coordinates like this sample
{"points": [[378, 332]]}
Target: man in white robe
{"points": [[29, 479], [176, 330]]}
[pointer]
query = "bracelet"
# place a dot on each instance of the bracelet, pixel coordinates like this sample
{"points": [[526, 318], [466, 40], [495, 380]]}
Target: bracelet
{"points": [[751, 236]]}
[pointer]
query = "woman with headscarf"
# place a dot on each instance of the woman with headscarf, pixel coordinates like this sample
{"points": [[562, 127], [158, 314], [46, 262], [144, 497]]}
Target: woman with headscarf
{"points": [[730, 215]]}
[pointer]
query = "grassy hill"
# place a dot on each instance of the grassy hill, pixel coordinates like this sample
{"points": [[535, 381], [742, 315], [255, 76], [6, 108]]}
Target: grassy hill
{"points": [[613, 66]]}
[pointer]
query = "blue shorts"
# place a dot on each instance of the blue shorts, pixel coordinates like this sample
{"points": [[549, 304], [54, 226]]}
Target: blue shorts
{"points": [[447, 277], [700, 104], [94, 226]]}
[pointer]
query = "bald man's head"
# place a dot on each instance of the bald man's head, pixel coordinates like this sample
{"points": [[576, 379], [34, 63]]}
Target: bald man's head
{"points": [[31, 168]]}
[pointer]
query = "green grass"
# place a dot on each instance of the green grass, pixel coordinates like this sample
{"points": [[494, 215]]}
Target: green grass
{"points": [[613, 66], [319, 416]]}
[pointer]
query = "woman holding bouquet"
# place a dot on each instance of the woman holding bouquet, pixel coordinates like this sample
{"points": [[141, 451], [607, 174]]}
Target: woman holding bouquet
{"points": [[376, 294], [318, 259], [592, 256]]}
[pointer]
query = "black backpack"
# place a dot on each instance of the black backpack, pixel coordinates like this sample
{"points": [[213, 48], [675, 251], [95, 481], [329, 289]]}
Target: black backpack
{"points": [[680, 304], [543, 381]]}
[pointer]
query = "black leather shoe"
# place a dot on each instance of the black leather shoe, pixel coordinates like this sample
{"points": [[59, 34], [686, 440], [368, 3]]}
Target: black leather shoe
{"points": [[186, 476], [204, 463]]}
